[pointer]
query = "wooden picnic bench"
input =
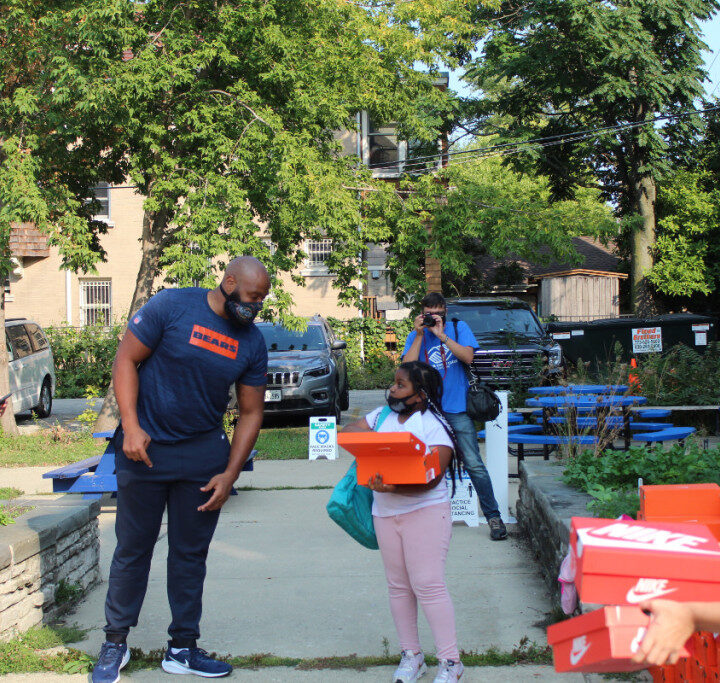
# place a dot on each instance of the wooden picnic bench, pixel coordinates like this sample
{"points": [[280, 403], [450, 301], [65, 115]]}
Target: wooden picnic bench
{"points": [[95, 476]]}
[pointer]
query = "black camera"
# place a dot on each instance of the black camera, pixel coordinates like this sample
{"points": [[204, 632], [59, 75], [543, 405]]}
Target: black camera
{"points": [[428, 320]]}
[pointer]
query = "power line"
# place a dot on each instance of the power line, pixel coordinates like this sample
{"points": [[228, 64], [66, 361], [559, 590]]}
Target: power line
{"points": [[560, 138]]}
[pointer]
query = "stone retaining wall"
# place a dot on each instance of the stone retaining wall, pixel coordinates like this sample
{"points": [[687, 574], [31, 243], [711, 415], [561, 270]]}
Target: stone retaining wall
{"points": [[57, 541], [543, 512]]}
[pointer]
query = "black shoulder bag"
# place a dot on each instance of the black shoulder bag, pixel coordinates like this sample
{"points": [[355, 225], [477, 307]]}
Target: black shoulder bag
{"points": [[482, 403]]}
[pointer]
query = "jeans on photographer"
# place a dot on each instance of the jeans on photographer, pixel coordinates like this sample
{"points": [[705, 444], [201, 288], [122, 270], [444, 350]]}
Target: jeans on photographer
{"points": [[466, 433]]}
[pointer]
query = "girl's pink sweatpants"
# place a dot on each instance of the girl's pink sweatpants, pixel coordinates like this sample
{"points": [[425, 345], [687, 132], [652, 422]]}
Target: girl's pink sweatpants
{"points": [[414, 546]]}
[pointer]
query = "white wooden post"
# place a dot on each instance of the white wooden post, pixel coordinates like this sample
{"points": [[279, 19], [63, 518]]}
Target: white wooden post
{"points": [[496, 456]]}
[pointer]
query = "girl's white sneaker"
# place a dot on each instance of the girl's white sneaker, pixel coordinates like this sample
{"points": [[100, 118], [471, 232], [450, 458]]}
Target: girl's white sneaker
{"points": [[411, 667], [449, 671]]}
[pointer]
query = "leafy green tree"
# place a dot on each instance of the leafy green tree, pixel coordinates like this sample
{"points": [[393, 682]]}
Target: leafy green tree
{"points": [[54, 141], [223, 115], [561, 67], [475, 208]]}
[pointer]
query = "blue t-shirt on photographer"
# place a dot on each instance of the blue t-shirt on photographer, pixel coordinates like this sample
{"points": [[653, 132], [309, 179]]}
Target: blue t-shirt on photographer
{"points": [[197, 356], [435, 353]]}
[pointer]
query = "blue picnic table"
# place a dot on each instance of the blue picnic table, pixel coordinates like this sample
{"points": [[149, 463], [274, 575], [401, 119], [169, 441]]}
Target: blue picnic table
{"points": [[612, 389], [95, 476]]}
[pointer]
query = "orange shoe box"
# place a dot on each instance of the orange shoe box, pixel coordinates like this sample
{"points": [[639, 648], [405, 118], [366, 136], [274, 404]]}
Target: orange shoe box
{"points": [[400, 457], [698, 503], [624, 563], [602, 641]]}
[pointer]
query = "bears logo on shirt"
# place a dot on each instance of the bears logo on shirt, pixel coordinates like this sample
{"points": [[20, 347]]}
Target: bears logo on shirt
{"points": [[213, 341]]}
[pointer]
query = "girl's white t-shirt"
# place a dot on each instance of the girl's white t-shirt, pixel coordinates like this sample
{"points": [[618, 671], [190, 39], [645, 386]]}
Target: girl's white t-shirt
{"points": [[426, 427]]}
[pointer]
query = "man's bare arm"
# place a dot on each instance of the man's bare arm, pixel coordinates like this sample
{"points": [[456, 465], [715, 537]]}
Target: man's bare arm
{"points": [[131, 352], [251, 404]]}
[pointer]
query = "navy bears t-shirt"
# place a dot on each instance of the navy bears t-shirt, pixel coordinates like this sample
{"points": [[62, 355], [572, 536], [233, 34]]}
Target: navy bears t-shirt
{"points": [[435, 353], [197, 356]]}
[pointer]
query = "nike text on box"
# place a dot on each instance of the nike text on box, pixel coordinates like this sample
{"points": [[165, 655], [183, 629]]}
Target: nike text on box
{"points": [[697, 503], [399, 457], [602, 641], [624, 563]]}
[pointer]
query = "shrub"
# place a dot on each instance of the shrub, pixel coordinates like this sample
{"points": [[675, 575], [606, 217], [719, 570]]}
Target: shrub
{"points": [[83, 358], [611, 477], [679, 376]]}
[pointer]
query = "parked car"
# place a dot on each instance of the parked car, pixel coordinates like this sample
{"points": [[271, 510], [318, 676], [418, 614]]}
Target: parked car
{"points": [[515, 349], [307, 371], [31, 367]]}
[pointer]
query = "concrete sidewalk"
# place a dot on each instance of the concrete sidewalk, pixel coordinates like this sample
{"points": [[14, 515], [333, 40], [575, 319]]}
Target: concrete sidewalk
{"points": [[283, 579]]}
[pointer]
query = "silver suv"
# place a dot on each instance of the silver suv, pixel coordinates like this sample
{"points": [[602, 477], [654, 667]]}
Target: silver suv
{"points": [[307, 371], [30, 366]]}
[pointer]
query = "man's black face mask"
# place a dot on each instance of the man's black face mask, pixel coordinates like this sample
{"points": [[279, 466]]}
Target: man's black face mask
{"points": [[241, 313]]}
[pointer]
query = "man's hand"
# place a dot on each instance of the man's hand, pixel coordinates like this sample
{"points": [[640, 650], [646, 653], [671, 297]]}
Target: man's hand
{"points": [[671, 625], [221, 485], [418, 324], [376, 484], [438, 329], [135, 443]]}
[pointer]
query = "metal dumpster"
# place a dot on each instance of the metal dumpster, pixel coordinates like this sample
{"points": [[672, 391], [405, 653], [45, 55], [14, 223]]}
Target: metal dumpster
{"points": [[597, 340]]}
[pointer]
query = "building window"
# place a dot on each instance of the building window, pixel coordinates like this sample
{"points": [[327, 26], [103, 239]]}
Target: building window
{"points": [[101, 193], [95, 302], [6, 285], [318, 252]]}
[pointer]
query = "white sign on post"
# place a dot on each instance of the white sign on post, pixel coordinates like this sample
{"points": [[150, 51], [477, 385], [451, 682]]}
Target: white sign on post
{"points": [[323, 439], [647, 339], [496, 456], [464, 504]]}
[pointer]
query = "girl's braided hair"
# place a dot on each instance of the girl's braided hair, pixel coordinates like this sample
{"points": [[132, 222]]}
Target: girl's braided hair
{"points": [[427, 379]]}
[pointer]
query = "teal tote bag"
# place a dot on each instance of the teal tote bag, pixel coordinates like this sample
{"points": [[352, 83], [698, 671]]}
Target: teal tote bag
{"points": [[350, 505]]}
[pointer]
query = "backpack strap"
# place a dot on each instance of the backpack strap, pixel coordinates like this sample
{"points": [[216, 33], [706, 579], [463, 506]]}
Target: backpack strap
{"points": [[381, 417]]}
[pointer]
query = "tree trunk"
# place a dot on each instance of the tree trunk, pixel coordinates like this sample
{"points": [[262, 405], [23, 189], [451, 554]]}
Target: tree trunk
{"points": [[154, 225], [7, 421], [643, 244]]}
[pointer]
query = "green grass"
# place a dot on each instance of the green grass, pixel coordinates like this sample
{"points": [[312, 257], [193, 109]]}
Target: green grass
{"points": [[53, 447], [9, 492], [60, 447], [27, 653], [283, 443]]}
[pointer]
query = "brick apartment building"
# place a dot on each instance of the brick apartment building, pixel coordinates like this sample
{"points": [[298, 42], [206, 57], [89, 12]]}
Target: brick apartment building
{"points": [[40, 289]]}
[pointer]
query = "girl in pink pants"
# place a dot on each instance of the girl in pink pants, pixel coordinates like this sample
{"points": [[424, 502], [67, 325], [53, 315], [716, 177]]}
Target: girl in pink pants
{"points": [[413, 525]]}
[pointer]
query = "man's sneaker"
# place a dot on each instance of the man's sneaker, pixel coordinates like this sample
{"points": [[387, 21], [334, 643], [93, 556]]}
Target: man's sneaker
{"points": [[411, 667], [112, 658], [193, 660], [449, 671], [497, 529]]}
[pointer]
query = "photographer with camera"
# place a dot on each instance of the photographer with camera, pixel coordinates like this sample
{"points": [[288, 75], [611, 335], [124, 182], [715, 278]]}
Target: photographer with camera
{"points": [[445, 346]]}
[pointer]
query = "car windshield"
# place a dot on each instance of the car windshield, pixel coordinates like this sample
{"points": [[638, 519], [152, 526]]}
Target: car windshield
{"points": [[279, 338], [493, 319]]}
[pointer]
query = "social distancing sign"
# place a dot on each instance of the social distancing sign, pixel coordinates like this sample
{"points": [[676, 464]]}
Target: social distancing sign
{"points": [[464, 504], [323, 439]]}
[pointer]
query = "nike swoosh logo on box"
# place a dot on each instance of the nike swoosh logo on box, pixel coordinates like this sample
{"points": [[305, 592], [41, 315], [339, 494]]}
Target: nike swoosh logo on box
{"points": [[575, 657], [633, 598]]}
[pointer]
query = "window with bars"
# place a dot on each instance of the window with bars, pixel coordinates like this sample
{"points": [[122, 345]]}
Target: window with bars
{"points": [[318, 252], [95, 302]]}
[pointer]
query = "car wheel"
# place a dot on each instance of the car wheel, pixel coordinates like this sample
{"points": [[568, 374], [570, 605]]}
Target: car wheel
{"points": [[44, 407], [345, 395]]}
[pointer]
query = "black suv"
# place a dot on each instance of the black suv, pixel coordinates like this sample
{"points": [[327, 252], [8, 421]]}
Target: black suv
{"points": [[307, 372], [514, 348]]}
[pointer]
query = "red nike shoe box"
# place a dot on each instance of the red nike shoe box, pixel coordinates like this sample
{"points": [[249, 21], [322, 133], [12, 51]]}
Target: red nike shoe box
{"points": [[697, 503], [400, 457], [602, 641], [626, 562]]}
